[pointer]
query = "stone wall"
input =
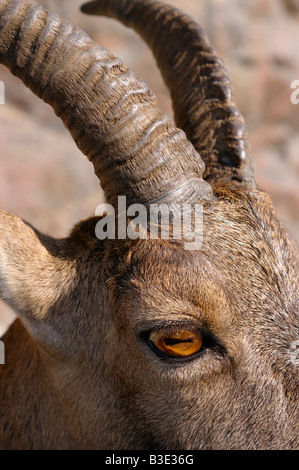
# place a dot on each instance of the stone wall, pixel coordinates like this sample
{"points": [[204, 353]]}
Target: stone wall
{"points": [[46, 180]]}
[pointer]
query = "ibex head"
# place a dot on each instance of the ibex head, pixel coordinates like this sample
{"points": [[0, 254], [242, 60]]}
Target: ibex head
{"points": [[142, 344]]}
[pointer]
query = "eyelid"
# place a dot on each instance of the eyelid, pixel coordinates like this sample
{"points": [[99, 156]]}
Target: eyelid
{"points": [[184, 324], [210, 341]]}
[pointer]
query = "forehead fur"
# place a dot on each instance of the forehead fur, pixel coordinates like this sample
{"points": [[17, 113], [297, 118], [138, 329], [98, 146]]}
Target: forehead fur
{"points": [[244, 250], [236, 219]]}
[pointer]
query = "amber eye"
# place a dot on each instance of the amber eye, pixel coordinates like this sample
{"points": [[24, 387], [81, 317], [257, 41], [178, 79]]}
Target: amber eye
{"points": [[177, 342]]}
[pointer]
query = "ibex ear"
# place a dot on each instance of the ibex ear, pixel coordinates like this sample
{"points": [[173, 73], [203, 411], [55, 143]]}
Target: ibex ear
{"points": [[31, 268]]}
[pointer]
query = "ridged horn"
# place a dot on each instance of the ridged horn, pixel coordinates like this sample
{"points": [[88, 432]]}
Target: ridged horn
{"points": [[200, 88], [113, 117]]}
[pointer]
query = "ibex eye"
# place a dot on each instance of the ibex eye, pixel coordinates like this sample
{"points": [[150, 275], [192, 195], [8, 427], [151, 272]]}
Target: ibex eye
{"points": [[176, 343]]}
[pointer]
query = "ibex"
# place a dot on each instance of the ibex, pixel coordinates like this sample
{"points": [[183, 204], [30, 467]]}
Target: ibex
{"points": [[140, 343]]}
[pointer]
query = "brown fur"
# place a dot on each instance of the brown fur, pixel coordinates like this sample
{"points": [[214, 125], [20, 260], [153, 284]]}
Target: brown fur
{"points": [[89, 381], [80, 371]]}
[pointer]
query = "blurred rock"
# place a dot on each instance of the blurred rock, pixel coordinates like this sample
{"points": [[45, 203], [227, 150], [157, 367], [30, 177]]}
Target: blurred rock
{"points": [[46, 180]]}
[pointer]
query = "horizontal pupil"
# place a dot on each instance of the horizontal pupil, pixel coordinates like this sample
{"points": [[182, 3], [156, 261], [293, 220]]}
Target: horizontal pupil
{"points": [[177, 343], [172, 341]]}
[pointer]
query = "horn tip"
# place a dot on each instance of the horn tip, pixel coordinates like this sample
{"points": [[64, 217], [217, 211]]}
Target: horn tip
{"points": [[89, 8]]}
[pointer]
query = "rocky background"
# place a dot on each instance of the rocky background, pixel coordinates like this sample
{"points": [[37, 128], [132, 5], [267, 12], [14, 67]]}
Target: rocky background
{"points": [[45, 179]]}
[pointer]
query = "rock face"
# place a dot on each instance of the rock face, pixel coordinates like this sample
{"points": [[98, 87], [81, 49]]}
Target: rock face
{"points": [[46, 180]]}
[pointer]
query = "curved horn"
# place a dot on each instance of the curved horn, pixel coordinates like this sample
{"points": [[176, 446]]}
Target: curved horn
{"points": [[200, 88], [114, 119]]}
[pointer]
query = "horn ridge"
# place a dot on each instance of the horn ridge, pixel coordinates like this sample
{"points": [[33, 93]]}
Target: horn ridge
{"points": [[201, 91], [108, 111]]}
